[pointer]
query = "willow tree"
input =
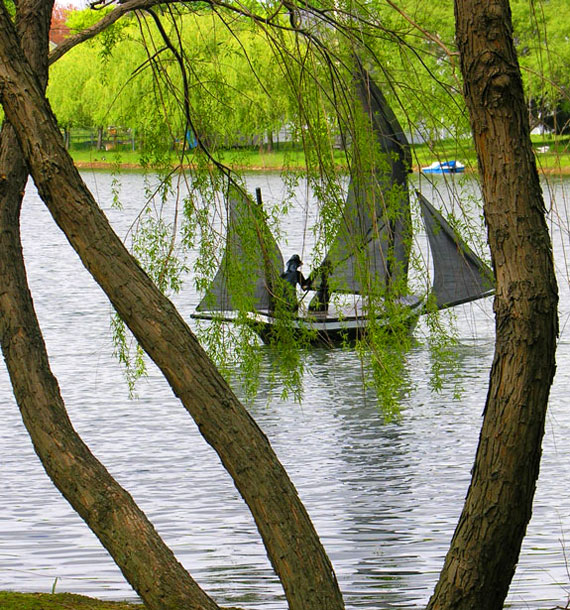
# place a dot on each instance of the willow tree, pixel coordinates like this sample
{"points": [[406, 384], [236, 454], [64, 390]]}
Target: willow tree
{"points": [[485, 548]]}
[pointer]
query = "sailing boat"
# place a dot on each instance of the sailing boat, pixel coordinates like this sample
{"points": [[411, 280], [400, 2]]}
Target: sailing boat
{"points": [[366, 266]]}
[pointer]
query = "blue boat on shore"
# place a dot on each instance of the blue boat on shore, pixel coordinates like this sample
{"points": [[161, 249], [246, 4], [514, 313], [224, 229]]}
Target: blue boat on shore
{"points": [[444, 167]]}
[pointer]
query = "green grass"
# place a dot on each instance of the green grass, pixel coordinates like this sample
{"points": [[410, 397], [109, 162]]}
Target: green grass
{"points": [[238, 158], [58, 601], [557, 157], [424, 154]]}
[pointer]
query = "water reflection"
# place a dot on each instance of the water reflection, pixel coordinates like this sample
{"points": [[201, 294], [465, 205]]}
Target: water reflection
{"points": [[386, 494], [384, 497]]}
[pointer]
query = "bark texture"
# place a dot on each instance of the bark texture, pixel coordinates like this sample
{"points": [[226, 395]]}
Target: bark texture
{"points": [[485, 548], [109, 510], [146, 562], [290, 539]]}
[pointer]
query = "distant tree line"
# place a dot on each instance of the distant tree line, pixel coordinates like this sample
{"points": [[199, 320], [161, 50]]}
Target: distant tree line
{"points": [[240, 94]]}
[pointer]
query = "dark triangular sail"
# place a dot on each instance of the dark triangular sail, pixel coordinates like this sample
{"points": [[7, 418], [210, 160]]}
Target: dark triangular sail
{"points": [[372, 246], [359, 254], [459, 274], [251, 263]]}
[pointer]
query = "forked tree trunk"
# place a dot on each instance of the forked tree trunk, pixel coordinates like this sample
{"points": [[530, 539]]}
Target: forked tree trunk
{"points": [[485, 548], [110, 511], [290, 539]]}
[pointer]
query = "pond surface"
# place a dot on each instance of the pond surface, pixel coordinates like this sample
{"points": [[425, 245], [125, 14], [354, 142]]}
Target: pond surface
{"points": [[384, 497]]}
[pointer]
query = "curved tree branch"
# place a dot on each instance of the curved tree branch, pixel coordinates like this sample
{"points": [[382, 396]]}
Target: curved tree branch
{"points": [[110, 18], [147, 563], [485, 548]]}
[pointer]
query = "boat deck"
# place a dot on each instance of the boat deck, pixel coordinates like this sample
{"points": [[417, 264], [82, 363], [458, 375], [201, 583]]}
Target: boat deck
{"points": [[341, 324]]}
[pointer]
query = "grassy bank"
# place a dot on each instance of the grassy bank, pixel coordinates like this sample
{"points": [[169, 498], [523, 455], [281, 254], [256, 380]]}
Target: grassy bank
{"points": [[553, 155], [58, 601], [251, 159]]}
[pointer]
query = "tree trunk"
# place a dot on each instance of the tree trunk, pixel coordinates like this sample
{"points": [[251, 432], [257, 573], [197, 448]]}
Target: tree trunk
{"points": [[109, 510], [111, 513], [485, 548], [290, 539]]}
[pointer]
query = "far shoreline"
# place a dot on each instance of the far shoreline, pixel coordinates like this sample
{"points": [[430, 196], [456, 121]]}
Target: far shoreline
{"points": [[111, 166]]}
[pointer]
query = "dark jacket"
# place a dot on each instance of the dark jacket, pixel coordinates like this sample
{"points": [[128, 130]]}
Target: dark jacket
{"points": [[320, 302], [293, 276]]}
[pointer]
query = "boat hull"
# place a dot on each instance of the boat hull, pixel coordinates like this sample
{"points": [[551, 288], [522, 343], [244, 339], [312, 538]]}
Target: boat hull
{"points": [[442, 171], [331, 334], [444, 167], [334, 328]]}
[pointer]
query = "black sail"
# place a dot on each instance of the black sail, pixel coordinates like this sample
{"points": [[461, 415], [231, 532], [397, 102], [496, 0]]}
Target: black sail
{"points": [[460, 275], [372, 246], [251, 263]]}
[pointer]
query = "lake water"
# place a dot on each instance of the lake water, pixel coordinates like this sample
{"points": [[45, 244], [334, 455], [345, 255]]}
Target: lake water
{"points": [[384, 497]]}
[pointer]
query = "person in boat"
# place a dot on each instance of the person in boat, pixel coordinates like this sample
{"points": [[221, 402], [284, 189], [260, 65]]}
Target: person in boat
{"points": [[320, 302], [293, 276]]}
